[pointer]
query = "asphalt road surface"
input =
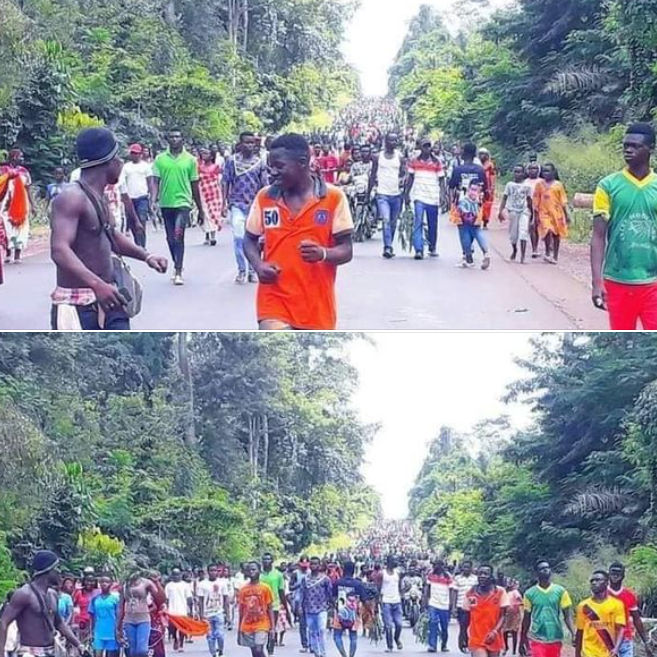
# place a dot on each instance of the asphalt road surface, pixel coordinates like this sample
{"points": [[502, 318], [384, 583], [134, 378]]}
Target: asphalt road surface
{"points": [[373, 293], [292, 646]]}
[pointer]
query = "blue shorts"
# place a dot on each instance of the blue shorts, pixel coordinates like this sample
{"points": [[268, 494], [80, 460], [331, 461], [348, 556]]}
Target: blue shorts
{"points": [[111, 645]]}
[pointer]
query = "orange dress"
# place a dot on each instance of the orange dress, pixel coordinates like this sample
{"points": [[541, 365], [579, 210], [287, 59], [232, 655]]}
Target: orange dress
{"points": [[549, 201], [491, 179]]}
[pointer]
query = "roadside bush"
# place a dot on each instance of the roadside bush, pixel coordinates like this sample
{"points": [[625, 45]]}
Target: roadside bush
{"points": [[584, 157]]}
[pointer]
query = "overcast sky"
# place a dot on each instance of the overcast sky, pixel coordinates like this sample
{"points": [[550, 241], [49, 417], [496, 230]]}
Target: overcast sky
{"points": [[413, 383], [376, 33]]}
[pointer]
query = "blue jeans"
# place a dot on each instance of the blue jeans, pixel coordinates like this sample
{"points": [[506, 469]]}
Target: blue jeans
{"points": [[432, 221], [389, 210], [626, 648], [392, 619], [469, 234], [216, 634], [339, 643], [438, 620], [238, 221], [137, 635], [316, 630], [142, 208]]}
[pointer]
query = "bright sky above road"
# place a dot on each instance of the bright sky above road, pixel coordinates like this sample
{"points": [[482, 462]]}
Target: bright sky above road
{"points": [[413, 383], [376, 33]]}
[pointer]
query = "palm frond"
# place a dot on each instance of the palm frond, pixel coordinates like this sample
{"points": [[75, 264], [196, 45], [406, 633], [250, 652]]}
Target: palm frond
{"points": [[579, 79], [598, 502]]}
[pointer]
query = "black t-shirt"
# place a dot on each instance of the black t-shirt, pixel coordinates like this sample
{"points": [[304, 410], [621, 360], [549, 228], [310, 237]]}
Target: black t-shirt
{"points": [[346, 586], [464, 174]]}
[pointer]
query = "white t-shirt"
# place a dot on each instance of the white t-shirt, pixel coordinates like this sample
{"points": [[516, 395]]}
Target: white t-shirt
{"points": [[426, 181], [388, 175], [212, 594], [177, 595], [390, 588], [136, 176], [239, 581], [463, 584], [439, 591]]}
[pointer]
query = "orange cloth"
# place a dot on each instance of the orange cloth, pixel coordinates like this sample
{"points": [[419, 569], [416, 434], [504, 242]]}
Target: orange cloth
{"points": [[254, 601], [18, 203], [485, 613], [4, 184], [188, 626], [549, 201], [491, 180], [304, 294]]}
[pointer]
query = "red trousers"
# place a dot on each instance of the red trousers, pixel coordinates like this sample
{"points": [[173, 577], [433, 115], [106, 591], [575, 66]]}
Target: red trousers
{"points": [[629, 304]]}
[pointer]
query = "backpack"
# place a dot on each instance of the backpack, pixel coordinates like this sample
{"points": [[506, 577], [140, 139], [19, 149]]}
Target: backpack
{"points": [[348, 613]]}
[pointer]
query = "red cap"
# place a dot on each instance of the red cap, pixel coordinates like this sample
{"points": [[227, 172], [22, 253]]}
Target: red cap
{"points": [[135, 148]]}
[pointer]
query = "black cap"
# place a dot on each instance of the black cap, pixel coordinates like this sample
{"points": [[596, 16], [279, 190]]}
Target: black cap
{"points": [[95, 146]]}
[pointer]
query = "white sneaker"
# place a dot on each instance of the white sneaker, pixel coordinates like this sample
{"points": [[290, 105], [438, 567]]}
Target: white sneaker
{"points": [[178, 280]]}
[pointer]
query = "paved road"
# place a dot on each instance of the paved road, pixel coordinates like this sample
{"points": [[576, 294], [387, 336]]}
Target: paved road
{"points": [[373, 293], [292, 646]]}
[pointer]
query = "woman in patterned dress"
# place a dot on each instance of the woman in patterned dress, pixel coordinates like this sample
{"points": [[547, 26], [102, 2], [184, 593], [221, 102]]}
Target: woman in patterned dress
{"points": [[210, 186], [17, 225]]}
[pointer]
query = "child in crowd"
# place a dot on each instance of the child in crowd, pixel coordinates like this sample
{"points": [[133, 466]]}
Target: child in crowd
{"points": [[470, 217], [517, 207], [551, 212]]}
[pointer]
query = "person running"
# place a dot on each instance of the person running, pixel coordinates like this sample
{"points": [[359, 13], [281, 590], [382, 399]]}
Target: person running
{"points": [[438, 602], [633, 620], [307, 229], [135, 617], [485, 606], [316, 596], [214, 607], [517, 207], [600, 621], [623, 245], [174, 186], [34, 609], [513, 619], [179, 596], [104, 611], [544, 604], [256, 620], [551, 212], [244, 176], [82, 242], [423, 187], [533, 178], [491, 180], [463, 582], [17, 206], [210, 186], [348, 593], [390, 594], [387, 172]]}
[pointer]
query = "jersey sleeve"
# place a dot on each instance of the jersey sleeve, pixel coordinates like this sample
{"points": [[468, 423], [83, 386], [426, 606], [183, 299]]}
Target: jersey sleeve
{"points": [[527, 604], [633, 602], [602, 203], [566, 601], [155, 169], [580, 620], [343, 222], [193, 171], [254, 224], [507, 189]]}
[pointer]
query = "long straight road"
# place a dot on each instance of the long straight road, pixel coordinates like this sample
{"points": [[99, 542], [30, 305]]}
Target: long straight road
{"points": [[373, 293], [292, 646]]}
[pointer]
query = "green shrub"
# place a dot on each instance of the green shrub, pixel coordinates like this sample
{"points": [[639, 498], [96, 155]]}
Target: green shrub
{"points": [[581, 228], [584, 157]]}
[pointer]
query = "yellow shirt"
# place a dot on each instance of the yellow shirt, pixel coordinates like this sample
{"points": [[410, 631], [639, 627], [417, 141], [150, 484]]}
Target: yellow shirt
{"points": [[611, 615]]}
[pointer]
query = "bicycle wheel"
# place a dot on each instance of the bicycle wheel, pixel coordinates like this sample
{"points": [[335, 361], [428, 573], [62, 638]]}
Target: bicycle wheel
{"points": [[359, 229]]}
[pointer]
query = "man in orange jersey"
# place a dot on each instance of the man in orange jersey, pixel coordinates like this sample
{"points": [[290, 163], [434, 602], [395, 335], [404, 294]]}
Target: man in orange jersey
{"points": [[307, 229]]}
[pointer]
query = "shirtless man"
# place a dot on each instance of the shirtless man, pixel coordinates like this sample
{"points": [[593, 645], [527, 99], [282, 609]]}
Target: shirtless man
{"points": [[86, 297], [134, 615], [34, 608]]}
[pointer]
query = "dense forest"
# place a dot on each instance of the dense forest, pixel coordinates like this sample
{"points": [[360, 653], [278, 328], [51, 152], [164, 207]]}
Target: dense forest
{"points": [[211, 67], [578, 486], [163, 448], [543, 75]]}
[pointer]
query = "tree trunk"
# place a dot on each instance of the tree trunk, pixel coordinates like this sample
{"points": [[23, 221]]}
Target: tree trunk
{"points": [[245, 24], [186, 371], [265, 445], [170, 12]]}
